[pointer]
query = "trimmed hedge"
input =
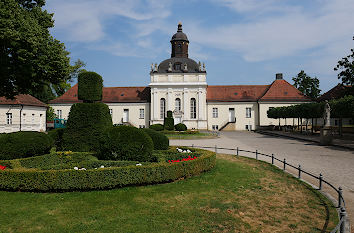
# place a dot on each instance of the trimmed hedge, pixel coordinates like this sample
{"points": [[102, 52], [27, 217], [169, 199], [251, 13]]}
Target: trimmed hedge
{"points": [[180, 127], [156, 127], [126, 143], [24, 144], [106, 178], [57, 136], [161, 141], [168, 122], [86, 125], [90, 86]]}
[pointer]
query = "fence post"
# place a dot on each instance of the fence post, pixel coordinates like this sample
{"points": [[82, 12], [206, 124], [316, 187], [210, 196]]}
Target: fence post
{"points": [[320, 185], [237, 151], [256, 154], [216, 149], [273, 159], [284, 164], [340, 193], [342, 215], [299, 171]]}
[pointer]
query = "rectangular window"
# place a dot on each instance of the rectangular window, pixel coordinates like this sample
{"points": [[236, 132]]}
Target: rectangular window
{"points": [[162, 108], [193, 108], [215, 113], [33, 118], [141, 113], [24, 118], [59, 114], [215, 127], [248, 112], [9, 118]]}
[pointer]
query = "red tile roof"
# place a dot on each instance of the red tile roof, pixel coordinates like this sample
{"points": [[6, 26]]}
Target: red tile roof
{"points": [[110, 95], [336, 92], [281, 90], [22, 99], [235, 93]]}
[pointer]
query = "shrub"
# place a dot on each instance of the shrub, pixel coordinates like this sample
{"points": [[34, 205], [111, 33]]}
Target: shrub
{"points": [[86, 125], [126, 143], [90, 87], [168, 121], [57, 136], [157, 127], [180, 127], [161, 141], [24, 144], [107, 178]]}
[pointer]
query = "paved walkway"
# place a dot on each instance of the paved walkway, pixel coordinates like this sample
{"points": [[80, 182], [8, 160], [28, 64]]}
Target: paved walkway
{"points": [[335, 163]]}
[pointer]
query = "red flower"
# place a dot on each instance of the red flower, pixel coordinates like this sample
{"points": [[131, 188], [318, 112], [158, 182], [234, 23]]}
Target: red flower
{"points": [[2, 167]]}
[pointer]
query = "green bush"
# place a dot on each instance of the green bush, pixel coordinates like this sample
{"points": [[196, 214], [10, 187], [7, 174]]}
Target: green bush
{"points": [[86, 125], [126, 143], [90, 87], [156, 127], [57, 136], [161, 141], [106, 178], [180, 127], [24, 144], [168, 122]]}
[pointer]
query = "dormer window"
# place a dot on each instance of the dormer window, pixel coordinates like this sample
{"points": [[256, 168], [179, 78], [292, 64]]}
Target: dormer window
{"points": [[177, 66]]}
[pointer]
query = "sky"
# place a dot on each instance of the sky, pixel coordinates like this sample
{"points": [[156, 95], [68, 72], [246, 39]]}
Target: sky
{"points": [[242, 42]]}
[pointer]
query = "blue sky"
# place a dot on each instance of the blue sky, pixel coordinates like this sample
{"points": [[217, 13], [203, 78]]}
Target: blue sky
{"points": [[242, 42]]}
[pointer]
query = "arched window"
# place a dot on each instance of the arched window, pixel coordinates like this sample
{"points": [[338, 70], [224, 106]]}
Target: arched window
{"points": [[178, 104], [193, 109], [162, 108]]}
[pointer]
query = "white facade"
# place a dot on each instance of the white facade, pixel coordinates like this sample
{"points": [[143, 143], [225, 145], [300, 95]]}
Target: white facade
{"points": [[15, 118]]}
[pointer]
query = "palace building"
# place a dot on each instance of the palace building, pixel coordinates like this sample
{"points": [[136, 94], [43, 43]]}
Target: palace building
{"points": [[179, 84]]}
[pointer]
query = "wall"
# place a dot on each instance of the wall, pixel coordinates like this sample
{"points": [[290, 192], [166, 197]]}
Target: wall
{"points": [[33, 118]]}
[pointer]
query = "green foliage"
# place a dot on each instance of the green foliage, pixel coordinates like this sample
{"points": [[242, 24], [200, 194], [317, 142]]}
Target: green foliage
{"points": [[90, 86], [161, 141], [106, 178], [126, 143], [57, 136], [346, 65], [85, 127], [24, 144], [307, 85], [30, 57], [157, 127], [168, 122], [180, 127], [50, 114]]}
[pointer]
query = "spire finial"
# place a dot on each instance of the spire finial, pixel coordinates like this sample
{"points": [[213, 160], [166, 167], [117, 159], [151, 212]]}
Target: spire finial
{"points": [[179, 26]]}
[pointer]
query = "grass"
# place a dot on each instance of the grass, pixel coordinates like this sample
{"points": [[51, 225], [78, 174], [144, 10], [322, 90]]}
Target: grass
{"points": [[238, 195]]}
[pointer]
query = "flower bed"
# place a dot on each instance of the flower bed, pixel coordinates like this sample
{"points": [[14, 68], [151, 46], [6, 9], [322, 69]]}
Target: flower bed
{"points": [[104, 178]]}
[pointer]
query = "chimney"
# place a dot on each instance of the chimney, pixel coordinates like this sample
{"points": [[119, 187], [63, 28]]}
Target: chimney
{"points": [[279, 76]]}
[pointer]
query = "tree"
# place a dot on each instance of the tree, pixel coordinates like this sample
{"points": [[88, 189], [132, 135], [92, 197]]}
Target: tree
{"points": [[30, 57], [347, 67], [307, 85]]}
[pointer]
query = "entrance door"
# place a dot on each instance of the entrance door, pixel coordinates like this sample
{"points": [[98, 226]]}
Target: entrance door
{"points": [[231, 115], [126, 115]]}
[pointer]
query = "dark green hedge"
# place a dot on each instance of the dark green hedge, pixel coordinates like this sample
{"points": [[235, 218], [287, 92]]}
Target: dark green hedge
{"points": [[107, 178], [126, 143], [24, 144], [157, 127], [161, 141], [86, 125], [90, 86], [180, 127], [169, 122], [57, 136]]}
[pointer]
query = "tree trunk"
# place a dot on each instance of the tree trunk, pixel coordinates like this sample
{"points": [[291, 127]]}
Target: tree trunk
{"points": [[293, 124], [279, 124], [300, 124], [340, 127], [311, 125], [316, 122], [307, 120]]}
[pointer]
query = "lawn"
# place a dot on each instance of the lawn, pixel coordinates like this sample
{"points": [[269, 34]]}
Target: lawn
{"points": [[238, 195]]}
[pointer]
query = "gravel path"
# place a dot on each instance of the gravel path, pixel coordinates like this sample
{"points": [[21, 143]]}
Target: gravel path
{"points": [[335, 164]]}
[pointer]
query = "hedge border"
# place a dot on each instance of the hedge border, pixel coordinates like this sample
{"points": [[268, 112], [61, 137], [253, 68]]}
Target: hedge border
{"points": [[106, 178]]}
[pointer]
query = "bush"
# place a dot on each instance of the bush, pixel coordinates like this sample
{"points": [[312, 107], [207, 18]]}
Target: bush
{"points": [[180, 127], [169, 121], [90, 87], [24, 144], [156, 127], [161, 141], [107, 178], [57, 136], [126, 143], [86, 125]]}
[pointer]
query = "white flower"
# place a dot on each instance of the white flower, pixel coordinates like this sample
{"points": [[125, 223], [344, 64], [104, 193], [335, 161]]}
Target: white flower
{"points": [[189, 151], [76, 168], [180, 150], [138, 164], [102, 166], [82, 169], [184, 151]]}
